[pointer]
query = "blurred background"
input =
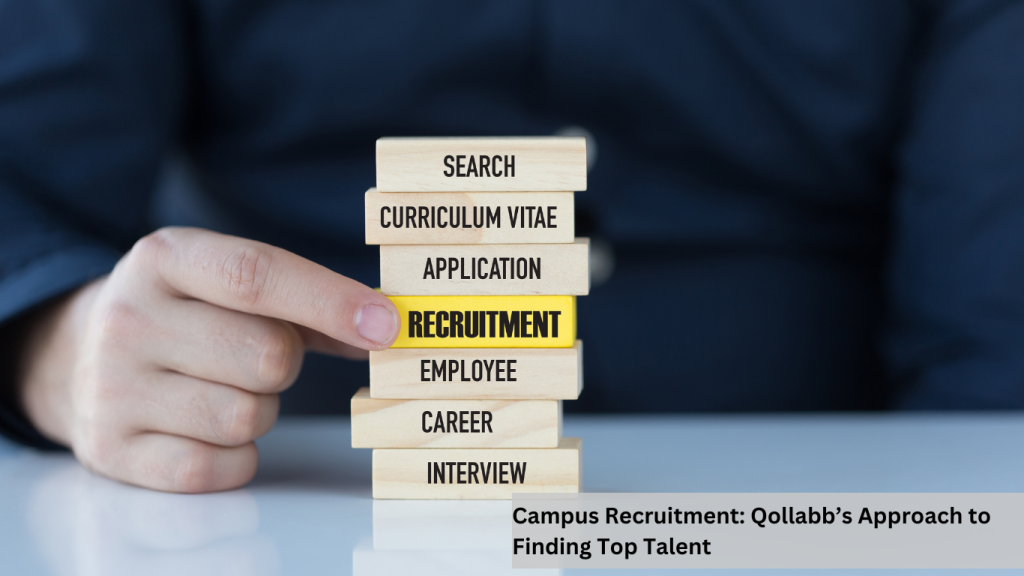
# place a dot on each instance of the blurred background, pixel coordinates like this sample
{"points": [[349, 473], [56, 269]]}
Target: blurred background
{"points": [[794, 206]]}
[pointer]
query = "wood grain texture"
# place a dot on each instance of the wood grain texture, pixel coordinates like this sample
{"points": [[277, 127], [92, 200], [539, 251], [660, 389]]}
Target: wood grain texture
{"points": [[493, 321], [540, 373], [540, 163], [495, 269], [403, 473], [462, 423], [492, 223]]}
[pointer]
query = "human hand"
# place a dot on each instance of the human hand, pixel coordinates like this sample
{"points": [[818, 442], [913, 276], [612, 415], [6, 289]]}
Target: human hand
{"points": [[164, 373]]}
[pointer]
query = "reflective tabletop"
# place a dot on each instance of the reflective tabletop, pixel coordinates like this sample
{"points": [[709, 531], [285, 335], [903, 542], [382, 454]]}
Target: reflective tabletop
{"points": [[309, 510]]}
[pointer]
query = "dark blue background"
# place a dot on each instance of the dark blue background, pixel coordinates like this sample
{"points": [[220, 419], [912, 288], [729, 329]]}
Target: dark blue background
{"points": [[813, 205]]}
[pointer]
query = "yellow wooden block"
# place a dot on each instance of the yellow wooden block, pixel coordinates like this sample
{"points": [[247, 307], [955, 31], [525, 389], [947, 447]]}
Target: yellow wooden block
{"points": [[502, 164], [482, 474], [469, 218], [496, 269], [477, 373], [454, 423], [486, 321]]}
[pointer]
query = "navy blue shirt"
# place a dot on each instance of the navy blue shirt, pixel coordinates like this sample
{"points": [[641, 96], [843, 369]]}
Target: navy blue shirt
{"points": [[812, 205]]}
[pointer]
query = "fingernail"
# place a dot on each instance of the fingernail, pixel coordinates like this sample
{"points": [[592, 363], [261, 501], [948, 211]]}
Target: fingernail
{"points": [[376, 323]]}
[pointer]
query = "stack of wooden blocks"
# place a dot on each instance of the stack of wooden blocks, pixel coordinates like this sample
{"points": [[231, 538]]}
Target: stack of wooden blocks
{"points": [[478, 253]]}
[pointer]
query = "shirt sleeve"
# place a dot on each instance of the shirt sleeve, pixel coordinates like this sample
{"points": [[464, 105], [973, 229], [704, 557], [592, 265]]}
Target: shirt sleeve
{"points": [[90, 95], [955, 333]]}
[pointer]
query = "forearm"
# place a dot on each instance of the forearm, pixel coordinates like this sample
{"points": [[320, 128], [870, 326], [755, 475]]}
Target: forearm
{"points": [[46, 360]]}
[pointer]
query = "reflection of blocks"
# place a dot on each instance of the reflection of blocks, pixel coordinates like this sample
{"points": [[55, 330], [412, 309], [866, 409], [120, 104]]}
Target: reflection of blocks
{"points": [[484, 270], [454, 423], [442, 525], [481, 373], [495, 474], [437, 537], [367, 561]]}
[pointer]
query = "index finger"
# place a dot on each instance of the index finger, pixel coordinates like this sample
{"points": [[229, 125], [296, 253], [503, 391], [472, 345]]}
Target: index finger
{"points": [[257, 278]]}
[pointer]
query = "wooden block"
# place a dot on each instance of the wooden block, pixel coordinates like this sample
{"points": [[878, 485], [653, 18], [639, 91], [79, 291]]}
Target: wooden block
{"points": [[438, 373], [469, 218], [454, 423], [507, 164], [496, 269], [458, 473], [486, 321]]}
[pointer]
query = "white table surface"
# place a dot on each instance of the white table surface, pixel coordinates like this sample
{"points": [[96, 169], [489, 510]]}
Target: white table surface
{"points": [[309, 510]]}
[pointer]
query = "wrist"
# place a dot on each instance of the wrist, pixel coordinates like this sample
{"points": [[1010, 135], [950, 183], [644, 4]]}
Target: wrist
{"points": [[50, 344]]}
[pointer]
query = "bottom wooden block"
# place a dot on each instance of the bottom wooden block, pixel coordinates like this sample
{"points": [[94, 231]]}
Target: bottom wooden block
{"points": [[482, 474]]}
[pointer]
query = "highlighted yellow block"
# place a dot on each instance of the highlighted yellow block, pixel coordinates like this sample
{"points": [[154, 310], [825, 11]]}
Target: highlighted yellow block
{"points": [[486, 321]]}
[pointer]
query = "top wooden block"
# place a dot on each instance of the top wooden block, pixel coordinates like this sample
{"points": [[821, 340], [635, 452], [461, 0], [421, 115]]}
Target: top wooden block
{"points": [[504, 164]]}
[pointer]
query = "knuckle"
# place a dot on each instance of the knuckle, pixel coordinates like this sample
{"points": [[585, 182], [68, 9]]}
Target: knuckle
{"points": [[118, 322], [245, 273], [97, 448], [98, 434], [277, 355], [150, 248], [101, 390], [102, 393], [196, 471], [243, 423]]}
